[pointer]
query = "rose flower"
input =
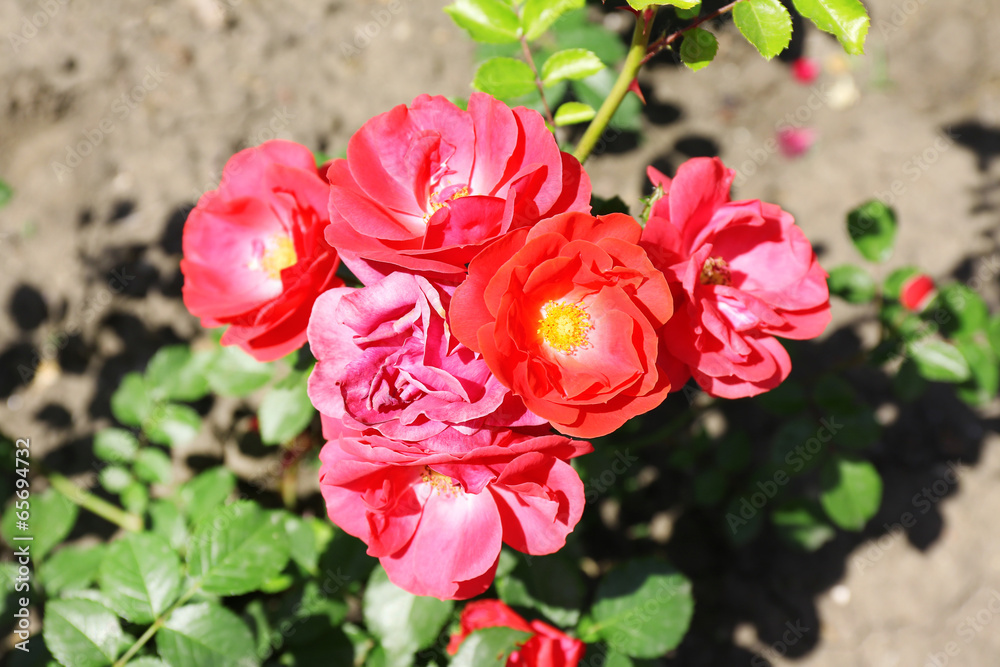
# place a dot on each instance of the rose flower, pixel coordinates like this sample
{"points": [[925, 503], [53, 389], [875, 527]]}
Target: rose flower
{"points": [[547, 647], [567, 315], [388, 361], [741, 273], [436, 521], [424, 187], [254, 253]]}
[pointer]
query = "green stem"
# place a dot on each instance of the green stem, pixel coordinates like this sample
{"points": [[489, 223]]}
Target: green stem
{"points": [[98, 506], [538, 80], [633, 61], [151, 630]]}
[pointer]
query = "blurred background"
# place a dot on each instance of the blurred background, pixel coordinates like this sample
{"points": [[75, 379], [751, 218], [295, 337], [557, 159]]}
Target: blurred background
{"points": [[117, 116]]}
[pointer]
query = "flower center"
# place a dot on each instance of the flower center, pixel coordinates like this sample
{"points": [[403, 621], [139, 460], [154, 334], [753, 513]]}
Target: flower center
{"points": [[564, 326], [716, 272], [442, 484], [277, 253], [441, 199]]}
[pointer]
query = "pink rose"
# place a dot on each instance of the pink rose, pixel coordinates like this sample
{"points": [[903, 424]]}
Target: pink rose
{"points": [[741, 274], [436, 521], [547, 647], [254, 253], [388, 361], [424, 187]]}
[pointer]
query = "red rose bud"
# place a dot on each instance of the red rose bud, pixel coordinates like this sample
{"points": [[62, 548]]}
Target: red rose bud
{"points": [[254, 254], [805, 70], [917, 292], [795, 141], [547, 647]]}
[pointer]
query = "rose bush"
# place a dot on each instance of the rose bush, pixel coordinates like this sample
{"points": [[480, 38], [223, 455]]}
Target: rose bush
{"points": [[254, 253], [387, 360], [547, 647], [567, 314], [741, 273], [436, 520], [424, 187]]}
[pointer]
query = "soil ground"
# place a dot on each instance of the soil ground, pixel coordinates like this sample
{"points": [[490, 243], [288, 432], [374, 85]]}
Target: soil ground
{"points": [[117, 116]]}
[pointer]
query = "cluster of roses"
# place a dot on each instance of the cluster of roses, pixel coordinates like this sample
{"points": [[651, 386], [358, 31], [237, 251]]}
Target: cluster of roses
{"points": [[494, 308]]}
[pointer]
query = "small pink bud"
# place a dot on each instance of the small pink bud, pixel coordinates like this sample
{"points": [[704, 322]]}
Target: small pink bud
{"points": [[795, 141], [917, 292], [805, 70]]}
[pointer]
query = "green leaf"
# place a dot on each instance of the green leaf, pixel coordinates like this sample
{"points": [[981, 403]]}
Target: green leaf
{"points": [[114, 479], [550, 584], [907, 384], [81, 633], [993, 334], [141, 576], [601, 206], [50, 518], [801, 524], [146, 661], [698, 48], [643, 608], [71, 569], [286, 410], [403, 622], [504, 78], [172, 424], [302, 542], [893, 285], [131, 404], [851, 491], [168, 523], [175, 374], [846, 19], [852, 284], [6, 194], [681, 4], [237, 549], [968, 312], [572, 113], [233, 372], [766, 24], [539, 15], [594, 89], [489, 647], [206, 635], [570, 64], [982, 387], [153, 466], [135, 497], [872, 227], [115, 445], [575, 30], [938, 360], [204, 493], [489, 21]]}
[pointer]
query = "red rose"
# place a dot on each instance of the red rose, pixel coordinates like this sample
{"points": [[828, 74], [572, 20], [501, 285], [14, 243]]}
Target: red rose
{"points": [[917, 291], [437, 520], [566, 314], [424, 187], [254, 253], [548, 647], [741, 273]]}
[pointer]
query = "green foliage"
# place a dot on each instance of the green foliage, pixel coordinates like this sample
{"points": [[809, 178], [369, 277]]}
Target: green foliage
{"points": [[6, 193], [233, 372], [846, 19], [504, 78], [49, 516], [71, 568], [286, 410], [698, 48], [489, 21], [572, 113], [402, 622], [801, 524], [967, 312], [174, 373], [539, 15], [140, 577], [682, 4], [205, 492], [82, 633], [206, 635], [872, 227], [115, 445], [852, 491], [172, 424], [766, 24], [852, 284], [642, 609], [938, 360], [489, 647], [549, 584], [571, 64]]}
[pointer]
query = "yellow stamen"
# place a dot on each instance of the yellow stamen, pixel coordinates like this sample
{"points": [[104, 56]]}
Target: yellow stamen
{"points": [[441, 484], [438, 205], [279, 254], [564, 326], [716, 271]]}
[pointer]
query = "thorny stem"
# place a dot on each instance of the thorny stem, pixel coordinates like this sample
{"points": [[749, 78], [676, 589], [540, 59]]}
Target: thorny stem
{"points": [[98, 506], [667, 40], [538, 81], [633, 61]]}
